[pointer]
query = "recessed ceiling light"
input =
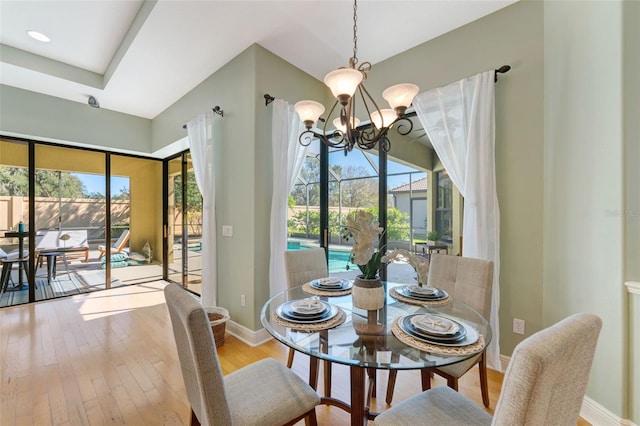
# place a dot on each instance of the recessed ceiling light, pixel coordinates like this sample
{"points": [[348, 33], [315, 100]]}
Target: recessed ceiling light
{"points": [[36, 35]]}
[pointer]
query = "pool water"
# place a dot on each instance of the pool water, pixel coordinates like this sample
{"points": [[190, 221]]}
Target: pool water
{"points": [[338, 259]]}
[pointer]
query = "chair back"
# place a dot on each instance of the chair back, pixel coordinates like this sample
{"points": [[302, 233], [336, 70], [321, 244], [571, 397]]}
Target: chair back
{"points": [[548, 373], [199, 362], [122, 241], [305, 265], [466, 279]]}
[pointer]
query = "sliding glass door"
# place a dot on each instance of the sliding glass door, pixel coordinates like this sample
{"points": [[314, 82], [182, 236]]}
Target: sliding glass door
{"points": [[184, 223]]}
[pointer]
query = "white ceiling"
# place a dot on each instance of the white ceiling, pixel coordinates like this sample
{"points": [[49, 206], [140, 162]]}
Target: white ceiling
{"points": [[140, 57]]}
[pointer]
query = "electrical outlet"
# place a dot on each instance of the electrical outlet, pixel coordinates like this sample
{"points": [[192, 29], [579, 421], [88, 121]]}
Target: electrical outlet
{"points": [[243, 301], [518, 326]]}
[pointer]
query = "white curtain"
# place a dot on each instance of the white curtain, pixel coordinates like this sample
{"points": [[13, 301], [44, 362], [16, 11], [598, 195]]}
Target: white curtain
{"points": [[288, 157], [460, 122], [202, 132]]}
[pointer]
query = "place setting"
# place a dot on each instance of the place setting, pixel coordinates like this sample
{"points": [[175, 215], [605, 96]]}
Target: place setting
{"points": [[308, 314], [438, 333], [416, 294], [328, 286]]}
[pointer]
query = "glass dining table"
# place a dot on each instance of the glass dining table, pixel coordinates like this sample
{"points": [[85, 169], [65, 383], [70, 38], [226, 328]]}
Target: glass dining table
{"points": [[367, 341]]}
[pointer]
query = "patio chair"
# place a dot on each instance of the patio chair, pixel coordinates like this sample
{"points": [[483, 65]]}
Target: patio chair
{"points": [[7, 260], [264, 393], [544, 384], [117, 247]]}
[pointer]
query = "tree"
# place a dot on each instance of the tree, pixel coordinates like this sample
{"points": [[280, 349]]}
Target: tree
{"points": [[14, 181], [193, 212]]}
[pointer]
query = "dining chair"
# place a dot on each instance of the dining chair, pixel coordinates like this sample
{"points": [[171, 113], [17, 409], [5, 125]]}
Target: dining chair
{"points": [[470, 281], [544, 384], [303, 266], [262, 393]]}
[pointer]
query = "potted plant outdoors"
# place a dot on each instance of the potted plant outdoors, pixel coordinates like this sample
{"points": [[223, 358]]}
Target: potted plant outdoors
{"points": [[432, 238], [368, 292]]}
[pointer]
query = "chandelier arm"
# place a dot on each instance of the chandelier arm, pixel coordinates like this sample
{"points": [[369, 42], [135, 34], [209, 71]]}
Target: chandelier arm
{"points": [[405, 127], [324, 128], [307, 136]]}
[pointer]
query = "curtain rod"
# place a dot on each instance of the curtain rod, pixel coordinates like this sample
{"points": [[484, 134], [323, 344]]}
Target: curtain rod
{"points": [[215, 109], [502, 70]]}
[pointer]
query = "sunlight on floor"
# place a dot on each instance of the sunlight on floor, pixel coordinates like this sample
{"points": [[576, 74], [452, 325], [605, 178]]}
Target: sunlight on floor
{"points": [[103, 304]]}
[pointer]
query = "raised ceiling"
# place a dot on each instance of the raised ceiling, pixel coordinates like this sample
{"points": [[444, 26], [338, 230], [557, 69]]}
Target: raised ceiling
{"points": [[139, 57]]}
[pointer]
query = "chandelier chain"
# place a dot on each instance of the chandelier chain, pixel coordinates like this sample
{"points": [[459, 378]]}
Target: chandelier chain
{"points": [[355, 31]]}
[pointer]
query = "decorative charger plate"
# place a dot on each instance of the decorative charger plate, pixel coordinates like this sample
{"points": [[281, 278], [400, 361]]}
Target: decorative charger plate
{"points": [[288, 313], [435, 324], [465, 336], [413, 291], [331, 284]]}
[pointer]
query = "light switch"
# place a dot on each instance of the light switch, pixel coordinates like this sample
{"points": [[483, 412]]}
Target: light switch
{"points": [[227, 231]]}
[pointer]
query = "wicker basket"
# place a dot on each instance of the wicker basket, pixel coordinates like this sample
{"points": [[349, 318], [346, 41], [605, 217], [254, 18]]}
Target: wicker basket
{"points": [[218, 318]]}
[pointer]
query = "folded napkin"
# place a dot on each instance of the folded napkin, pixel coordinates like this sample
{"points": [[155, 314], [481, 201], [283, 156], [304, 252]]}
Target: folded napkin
{"points": [[434, 324], [426, 290], [329, 280], [307, 306]]}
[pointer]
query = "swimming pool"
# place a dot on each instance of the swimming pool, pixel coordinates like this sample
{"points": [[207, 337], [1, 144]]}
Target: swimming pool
{"points": [[338, 259]]}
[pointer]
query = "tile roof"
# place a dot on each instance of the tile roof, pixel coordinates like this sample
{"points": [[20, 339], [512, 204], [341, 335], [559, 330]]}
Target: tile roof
{"points": [[418, 185]]}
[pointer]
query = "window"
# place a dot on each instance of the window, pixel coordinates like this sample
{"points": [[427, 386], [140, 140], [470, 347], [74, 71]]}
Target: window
{"points": [[444, 200]]}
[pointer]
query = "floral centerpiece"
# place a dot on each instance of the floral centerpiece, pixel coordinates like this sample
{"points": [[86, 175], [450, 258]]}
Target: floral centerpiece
{"points": [[419, 263], [368, 292], [366, 251]]}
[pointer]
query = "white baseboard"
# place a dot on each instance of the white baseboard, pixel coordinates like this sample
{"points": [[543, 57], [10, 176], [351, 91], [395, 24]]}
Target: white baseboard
{"points": [[250, 337], [597, 415]]}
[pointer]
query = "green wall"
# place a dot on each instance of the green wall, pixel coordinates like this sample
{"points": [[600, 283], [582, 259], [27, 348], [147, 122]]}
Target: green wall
{"points": [[243, 166], [47, 118], [477, 47], [583, 232]]}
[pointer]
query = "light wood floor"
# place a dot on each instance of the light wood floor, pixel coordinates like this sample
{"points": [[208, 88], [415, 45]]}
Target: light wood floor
{"points": [[109, 358]]}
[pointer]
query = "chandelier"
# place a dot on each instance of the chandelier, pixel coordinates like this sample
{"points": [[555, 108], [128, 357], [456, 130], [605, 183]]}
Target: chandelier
{"points": [[347, 85]]}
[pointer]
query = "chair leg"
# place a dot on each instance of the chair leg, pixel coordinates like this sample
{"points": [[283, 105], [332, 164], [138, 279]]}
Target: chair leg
{"points": [[311, 419], [452, 382], [391, 384], [290, 359], [194, 420], [426, 374], [484, 385]]}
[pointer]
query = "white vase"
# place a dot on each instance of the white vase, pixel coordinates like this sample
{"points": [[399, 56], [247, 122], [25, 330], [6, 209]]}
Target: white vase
{"points": [[368, 294]]}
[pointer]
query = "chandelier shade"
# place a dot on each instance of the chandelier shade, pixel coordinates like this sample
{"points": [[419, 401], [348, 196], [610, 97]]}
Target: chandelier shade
{"points": [[400, 95], [383, 118], [309, 111], [343, 81], [337, 122], [347, 86]]}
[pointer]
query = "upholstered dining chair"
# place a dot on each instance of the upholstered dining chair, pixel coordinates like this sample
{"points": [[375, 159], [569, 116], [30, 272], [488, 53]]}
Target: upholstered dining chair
{"points": [[303, 266], [544, 384], [262, 393], [469, 281]]}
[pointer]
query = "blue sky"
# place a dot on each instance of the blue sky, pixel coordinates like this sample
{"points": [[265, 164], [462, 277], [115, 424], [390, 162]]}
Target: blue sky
{"points": [[96, 183]]}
